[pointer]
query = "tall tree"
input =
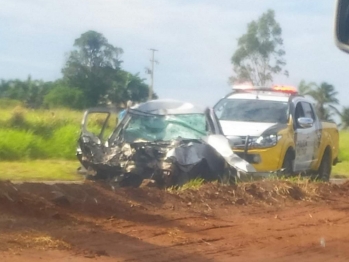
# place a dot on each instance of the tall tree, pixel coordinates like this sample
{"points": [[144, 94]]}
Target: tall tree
{"points": [[93, 66], [29, 91], [128, 87], [64, 96], [260, 53], [304, 88], [325, 96], [35, 92], [344, 116]]}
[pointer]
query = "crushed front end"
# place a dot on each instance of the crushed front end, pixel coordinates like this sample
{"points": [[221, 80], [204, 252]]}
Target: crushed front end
{"points": [[168, 147]]}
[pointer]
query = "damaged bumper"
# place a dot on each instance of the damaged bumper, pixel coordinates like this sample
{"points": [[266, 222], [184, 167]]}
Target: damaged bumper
{"points": [[167, 163]]}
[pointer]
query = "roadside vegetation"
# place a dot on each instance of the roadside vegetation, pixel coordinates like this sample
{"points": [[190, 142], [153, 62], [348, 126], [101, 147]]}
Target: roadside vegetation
{"points": [[28, 134], [40, 144], [342, 169], [38, 134]]}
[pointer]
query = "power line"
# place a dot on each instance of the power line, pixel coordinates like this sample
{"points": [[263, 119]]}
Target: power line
{"points": [[151, 87]]}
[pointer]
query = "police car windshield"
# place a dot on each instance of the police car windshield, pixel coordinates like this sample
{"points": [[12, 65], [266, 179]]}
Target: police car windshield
{"points": [[247, 110]]}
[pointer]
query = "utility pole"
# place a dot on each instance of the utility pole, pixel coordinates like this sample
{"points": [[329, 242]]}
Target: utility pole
{"points": [[151, 87]]}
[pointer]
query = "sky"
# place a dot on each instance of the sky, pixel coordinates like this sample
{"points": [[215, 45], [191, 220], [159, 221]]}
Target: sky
{"points": [[195, 39]]}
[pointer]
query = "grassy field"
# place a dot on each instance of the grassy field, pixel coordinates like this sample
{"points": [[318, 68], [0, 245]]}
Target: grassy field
{"points": [[41, 144], [42, 134], [343, 167]]}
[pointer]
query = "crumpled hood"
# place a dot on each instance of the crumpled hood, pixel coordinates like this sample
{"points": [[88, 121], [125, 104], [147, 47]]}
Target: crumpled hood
{"points": [[194, 153], [237, 128]]}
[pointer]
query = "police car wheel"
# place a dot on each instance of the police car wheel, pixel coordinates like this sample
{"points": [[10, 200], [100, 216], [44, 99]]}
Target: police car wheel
{"points": [[287, 165], [324, 171]]}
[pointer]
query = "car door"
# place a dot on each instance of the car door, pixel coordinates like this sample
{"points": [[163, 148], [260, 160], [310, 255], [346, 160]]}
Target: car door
{"points": [[96, 124], [304, 138], [312, 137]]}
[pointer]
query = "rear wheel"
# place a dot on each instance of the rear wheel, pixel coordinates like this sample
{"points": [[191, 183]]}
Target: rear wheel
{"points": [[325, 169]]}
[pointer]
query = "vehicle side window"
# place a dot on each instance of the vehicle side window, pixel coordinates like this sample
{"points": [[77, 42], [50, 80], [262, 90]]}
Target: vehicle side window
{"points": [[298, 113], [308, 110]]}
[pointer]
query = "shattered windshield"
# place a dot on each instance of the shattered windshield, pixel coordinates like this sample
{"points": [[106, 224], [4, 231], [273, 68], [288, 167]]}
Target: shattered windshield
{"points": [[164, 128], [247, 110]]}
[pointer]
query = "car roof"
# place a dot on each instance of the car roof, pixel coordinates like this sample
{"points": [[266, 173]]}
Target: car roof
{"points": [[168, 106]]}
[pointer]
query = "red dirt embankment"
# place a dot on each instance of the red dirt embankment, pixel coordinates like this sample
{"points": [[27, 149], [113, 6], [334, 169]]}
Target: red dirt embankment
{"points": [[261, 221]]}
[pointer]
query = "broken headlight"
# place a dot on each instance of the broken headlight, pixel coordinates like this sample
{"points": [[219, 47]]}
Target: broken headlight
{"points": [[267, 140]]}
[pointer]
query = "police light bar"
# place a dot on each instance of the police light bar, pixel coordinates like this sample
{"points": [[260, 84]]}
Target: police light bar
{"points": [[285, 89], [275, 88]]}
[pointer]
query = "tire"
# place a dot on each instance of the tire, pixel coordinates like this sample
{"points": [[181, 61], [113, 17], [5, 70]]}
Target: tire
{"points": [[325, 168], [97, 177], [287, 164], [131, 180], [229, 177]]}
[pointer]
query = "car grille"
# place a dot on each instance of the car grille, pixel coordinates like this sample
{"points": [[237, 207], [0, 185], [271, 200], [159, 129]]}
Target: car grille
{"points": [[243, 141]]}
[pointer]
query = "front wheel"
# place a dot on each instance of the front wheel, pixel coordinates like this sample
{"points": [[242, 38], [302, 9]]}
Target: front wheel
{"points": [[287, 165]]}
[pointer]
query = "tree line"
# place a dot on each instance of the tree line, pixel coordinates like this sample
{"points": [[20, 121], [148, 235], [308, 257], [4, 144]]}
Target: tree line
{"points": [[92, 75], [260, 56]]}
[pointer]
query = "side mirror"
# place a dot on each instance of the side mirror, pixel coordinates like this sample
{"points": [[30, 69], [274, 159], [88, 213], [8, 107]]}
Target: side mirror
{"points": [[305, 122], [342, 25]]}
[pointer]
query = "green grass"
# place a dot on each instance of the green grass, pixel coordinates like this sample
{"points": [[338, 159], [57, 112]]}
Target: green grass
{"points": [[6, 103], [344, 145], [193, 184], [43, 134], [39, 170], [342, 169], [40, 144]]}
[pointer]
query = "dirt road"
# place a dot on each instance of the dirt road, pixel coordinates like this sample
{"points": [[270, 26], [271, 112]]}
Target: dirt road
{"points": [[261, 221]]}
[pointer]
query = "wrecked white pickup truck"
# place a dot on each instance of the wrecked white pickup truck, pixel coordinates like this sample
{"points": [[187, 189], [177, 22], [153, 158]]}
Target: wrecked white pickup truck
{"points": [[167, 141]]}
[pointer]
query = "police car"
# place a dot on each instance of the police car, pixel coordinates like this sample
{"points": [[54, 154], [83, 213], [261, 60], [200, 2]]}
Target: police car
{"points": [[277, 130]]}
